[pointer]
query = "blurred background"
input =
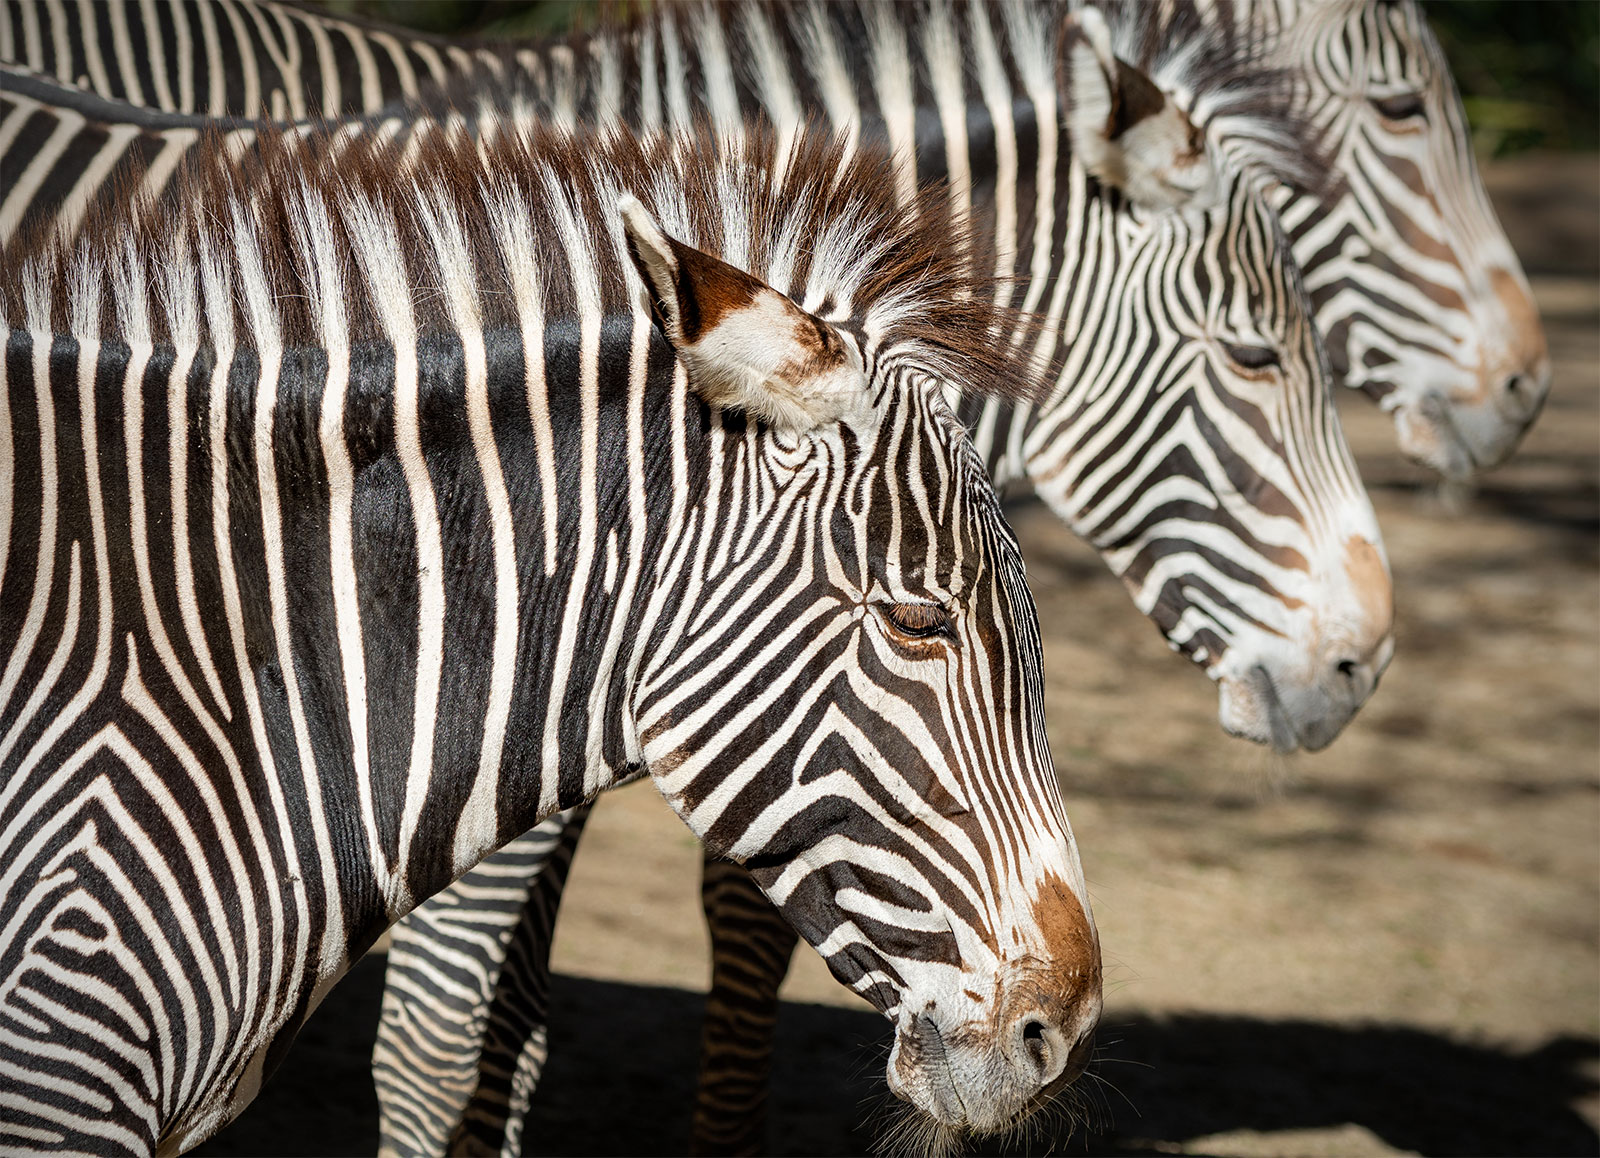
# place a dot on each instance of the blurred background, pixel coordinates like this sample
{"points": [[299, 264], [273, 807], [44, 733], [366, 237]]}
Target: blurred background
{"points": [[1392, 947]]}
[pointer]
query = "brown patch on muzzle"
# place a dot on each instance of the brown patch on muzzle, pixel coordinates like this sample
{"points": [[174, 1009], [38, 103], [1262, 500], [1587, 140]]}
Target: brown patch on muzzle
{"points": [[1059, 982], [1374, 588], [1072, 948], [1522, 316], [1526, 350], [1059, 987]]}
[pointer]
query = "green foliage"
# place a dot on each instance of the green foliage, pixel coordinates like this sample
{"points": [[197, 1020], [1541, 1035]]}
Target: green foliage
{"points": [[1529, 70]]}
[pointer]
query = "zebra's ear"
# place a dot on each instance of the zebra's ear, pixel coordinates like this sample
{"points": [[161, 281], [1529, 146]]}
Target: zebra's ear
{"points": [[1126, 131], [744, 344]]}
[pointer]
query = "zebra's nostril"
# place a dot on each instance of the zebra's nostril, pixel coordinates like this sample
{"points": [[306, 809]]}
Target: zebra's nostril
{"points": [[1519, 393], [1522, 394], [1033, 1040]]}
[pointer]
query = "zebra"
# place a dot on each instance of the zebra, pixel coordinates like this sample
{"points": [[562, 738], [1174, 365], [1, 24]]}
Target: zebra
{"points": [[400, 956], [463, 918], [359, 515], [230, 58], [1422, 302], [1423, 307], [1276, 686]]}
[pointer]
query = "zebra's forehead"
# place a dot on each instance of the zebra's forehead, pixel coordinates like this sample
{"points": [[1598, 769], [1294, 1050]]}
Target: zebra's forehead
{"points": [[918, 501], [1233, 255]]}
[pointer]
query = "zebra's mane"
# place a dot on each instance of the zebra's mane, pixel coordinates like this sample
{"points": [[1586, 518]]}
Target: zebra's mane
{"points": [[1224, 80], [299, 235]]}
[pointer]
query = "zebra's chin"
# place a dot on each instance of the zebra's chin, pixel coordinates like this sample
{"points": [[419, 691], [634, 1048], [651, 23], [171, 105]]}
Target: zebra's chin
{"points": [[1459, 440], [1430, 435], [953, 1093], [1249, 709]]}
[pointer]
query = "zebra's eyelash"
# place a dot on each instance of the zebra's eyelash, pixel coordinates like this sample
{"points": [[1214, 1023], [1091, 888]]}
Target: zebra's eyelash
{"points": [[919, 620], [1252, 358], [1401, 107]]}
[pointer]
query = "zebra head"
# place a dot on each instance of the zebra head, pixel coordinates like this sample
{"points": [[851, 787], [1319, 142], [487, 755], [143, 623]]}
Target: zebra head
{"points": [[1208, 465], [849, 700], [1422, 300]]}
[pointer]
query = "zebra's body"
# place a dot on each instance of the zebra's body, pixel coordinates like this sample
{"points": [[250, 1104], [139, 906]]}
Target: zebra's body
{"points": [[229, 58], [60, 149], [280, 569]]}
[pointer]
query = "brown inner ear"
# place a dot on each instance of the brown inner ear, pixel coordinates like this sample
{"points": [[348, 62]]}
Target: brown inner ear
{"points": [[1134, 97], [708, 289]]}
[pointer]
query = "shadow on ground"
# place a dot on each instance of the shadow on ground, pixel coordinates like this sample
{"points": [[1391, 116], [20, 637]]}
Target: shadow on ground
{"points": [[622, 1071]]}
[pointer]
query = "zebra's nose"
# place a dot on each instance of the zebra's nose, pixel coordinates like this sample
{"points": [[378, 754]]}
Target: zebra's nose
{"points": [[1524, 357], [1522, 394], [1049, 1055], [1357, 677]]}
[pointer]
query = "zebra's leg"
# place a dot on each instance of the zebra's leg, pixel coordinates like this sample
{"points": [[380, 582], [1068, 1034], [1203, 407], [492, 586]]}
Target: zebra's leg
{"points": [[750, 950], [461, 1037], [516, 1038]]}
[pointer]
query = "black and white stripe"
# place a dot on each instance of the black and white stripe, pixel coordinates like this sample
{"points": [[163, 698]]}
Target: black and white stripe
{"points": [[281, 569], [1423, 303], [227, 58], [1147, 420], [1373, 47]]}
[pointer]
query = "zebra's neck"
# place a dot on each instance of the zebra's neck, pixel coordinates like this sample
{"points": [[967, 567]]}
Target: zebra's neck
{"points": [[385, 623]]}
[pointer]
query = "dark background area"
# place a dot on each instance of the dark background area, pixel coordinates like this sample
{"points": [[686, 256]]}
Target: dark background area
{"points": [[1189, 1076]]}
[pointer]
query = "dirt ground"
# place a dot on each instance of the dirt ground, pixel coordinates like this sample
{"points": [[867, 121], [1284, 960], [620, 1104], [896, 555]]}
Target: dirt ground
{"points": [[1390, 947]]}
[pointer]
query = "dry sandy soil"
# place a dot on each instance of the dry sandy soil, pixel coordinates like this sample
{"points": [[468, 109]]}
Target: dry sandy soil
{"points": [[1389, 947]]}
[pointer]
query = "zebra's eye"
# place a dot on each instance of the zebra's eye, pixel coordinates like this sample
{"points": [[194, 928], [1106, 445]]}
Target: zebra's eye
{"points": [[1251, 357], [918, 620], [1401, 108]]}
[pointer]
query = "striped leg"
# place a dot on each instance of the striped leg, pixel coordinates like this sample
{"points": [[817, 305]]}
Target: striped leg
{"points": [[516, 1040], [462, 1035], [751, 945]]}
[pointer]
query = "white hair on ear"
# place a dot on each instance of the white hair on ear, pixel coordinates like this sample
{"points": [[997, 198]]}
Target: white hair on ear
{"points": [[1091, 71], [652, 251], [752, 349], [1155, 157]]}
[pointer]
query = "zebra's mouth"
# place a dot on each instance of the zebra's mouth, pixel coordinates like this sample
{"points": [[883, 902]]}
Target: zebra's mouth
{"points": [[1253, 710], [1429, 435], [1281, 733], [947, 1105]]}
